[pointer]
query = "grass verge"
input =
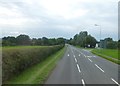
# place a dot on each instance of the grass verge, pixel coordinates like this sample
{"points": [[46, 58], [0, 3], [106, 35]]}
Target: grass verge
{"points": [[112, 59], [37, 74], [109, 54]]}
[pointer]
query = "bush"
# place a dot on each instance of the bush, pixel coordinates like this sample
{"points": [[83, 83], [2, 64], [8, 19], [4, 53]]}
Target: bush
{"points": [[112, 45], [15, 60]]}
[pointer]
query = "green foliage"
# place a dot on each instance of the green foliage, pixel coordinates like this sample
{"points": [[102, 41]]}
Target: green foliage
{"points": [[25, 40], [112, 45], [83, 39], [108, 39], [89, 40], [38, 73], [8, 41], [60, 41], [109, 43], [109, 54], [15, 60]]}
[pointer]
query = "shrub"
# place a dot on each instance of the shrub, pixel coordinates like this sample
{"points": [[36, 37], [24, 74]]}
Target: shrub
{"points": [[15, 60]]}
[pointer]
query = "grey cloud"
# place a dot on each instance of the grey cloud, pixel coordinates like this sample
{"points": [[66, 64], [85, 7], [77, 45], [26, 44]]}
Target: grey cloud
{"points": [[100, 13]]}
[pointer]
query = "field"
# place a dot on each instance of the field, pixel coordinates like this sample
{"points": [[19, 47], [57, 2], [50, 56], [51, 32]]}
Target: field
{"points": [[17, 59]]}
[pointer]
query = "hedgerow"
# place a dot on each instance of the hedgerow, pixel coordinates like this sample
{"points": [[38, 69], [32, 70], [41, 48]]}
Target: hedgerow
{"points": [[16, 60]]}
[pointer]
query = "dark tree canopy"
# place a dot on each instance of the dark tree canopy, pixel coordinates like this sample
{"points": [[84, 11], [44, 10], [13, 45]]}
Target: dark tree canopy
{"points": [[83, 39], [9, 41], [23, 40]]}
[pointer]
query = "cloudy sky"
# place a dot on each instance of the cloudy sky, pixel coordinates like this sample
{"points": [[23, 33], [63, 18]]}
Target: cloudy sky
{"points": [[59, 18]]}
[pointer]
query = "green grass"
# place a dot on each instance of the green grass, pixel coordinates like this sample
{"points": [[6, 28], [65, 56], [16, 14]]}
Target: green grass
{"points": [[37, 74], [109, 54], [85, 48]]}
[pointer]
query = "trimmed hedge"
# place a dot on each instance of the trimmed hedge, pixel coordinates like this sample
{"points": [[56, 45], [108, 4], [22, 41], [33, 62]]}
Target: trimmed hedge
{"points": [[15, 60]]}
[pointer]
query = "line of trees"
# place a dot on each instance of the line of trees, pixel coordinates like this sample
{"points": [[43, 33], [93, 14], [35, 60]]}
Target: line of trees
{"points": [[82, 39], [25, 40], [109, 43]]}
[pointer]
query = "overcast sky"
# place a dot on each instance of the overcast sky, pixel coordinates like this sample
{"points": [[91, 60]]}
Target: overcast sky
{"points": [[59, 18]]}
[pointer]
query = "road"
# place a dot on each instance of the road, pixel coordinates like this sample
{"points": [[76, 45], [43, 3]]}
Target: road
{"points": [[79, 66]]}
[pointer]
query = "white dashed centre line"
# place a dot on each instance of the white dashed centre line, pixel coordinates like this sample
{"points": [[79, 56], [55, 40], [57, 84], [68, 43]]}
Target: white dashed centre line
{"points": [[74, 55], [78, 68], [89, 56], [84, 55], [83, 82], [75, 60], [68, 55], [99, 68], [115, 82], [90, 60], [79, 54]]}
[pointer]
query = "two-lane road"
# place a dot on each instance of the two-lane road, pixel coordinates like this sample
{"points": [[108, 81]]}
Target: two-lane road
{"points": [[79, 66]]}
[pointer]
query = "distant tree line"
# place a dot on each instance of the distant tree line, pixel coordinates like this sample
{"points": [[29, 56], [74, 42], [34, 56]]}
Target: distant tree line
{"points": [[25, 40], [83, 39], [110, 44]]}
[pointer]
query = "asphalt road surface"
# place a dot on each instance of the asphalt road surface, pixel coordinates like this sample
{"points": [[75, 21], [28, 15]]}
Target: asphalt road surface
{"points": [[79, 66]]}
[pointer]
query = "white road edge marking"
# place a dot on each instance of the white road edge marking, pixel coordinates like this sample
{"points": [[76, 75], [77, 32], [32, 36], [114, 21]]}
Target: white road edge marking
{"points": [[74, 55], [85, 56], [78, 68], [99, 68], [68, 55], [75, 60], [83, 82], [81, 53], [90, 60], [115, 81], [89, 56]]}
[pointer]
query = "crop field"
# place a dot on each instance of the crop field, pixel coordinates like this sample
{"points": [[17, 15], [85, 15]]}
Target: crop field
{"points": [[16, 59]]}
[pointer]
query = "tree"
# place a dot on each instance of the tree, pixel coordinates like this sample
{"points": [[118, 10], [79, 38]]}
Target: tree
{"points": [[45, 41], [111, 45], [8, 41], [60, 41], [23, 40], [39, 41], [108, 39], [34, 41], [83, 39], [52, 41], [89, 40]]}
